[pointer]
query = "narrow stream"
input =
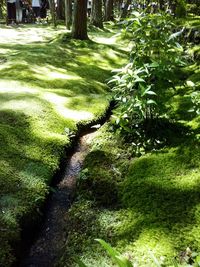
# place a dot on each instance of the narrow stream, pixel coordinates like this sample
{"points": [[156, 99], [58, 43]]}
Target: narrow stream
{"points": [[52, 236]]}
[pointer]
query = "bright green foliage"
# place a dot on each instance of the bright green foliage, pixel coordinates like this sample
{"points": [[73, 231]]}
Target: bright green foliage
{"points": [[195, 98], [156, 214], [188, 258], [140, 88], [193, 9], [157, 208], [47, 88], [119, 260]]}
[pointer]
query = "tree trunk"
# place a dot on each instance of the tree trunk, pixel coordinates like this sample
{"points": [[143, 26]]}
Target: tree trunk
{"points": [[53, 12], [1, 9], [68, 13], [125, 9], [79, 25], [97, 15], [59, 9], [109, 10]]}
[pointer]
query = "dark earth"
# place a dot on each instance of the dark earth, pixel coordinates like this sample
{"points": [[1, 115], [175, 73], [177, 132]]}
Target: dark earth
{"points": [[49, 242]]}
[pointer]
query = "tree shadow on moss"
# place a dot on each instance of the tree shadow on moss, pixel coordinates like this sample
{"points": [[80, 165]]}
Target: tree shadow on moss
{"points": [[22, 178], [97, 182], [163, 189], [27, 63]]}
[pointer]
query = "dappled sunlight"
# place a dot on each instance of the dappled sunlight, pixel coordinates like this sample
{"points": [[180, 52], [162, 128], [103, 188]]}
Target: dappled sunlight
{"points": [[16, 87], [49, 72], [48, 88], [111, 40], [60, 105], [156, 240], [30, 107], [34, 107], [39, 107], [5, 51], [27, 34], [104, 40], [184, 180]]}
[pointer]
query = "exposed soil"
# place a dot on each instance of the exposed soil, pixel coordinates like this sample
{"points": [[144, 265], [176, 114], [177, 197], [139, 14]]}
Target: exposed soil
{"points": [[52, 236]]}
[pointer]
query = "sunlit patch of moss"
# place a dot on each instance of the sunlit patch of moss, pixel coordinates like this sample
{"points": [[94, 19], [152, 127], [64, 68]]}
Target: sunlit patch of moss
{"points": [[46, 86], [157, 208]]}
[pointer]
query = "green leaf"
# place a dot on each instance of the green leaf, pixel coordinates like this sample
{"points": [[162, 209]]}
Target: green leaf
{"points": [[112, 252], [148, 92], [190, 84], [154, 65], [151, 102], [176, 34], [123, 261], [138, 79], [154, 259], [117, 258]]}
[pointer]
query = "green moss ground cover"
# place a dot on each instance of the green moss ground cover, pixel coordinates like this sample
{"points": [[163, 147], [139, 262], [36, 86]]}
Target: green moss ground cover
{"points": [[146, 204], [151, 203], [46, 85]]}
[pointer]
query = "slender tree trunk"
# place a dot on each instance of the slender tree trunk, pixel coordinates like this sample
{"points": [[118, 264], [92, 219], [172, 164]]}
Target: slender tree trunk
{"points": [[96, 14], [68, 13], [59, 9], [53, 12], [79, 25], [125, 10], [109, 10], [1, 9]]}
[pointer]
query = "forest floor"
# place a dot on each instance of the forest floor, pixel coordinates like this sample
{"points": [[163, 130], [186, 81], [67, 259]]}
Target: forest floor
{"points": [[143, 206], [147, 207], [49, 86]]}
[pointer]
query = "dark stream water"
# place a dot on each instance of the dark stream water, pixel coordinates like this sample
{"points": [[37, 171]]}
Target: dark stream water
{"points": [[52, 235]]}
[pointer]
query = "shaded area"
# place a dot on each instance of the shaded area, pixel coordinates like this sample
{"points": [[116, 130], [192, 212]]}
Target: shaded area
{"points": [[52, 237], [157, 205], [47, 88]]}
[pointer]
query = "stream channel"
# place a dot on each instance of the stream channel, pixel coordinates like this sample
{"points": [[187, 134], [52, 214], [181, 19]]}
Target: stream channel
{"points": [[48, 242]]}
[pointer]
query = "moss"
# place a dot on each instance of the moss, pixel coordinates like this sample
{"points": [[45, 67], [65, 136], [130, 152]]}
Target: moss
{"points": [[158, 203], [46, 86], [158, 200], [98, 182]]}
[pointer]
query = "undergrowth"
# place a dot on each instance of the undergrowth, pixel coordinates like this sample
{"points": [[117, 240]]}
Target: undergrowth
{"points": [[144, 203], [155, 207]]}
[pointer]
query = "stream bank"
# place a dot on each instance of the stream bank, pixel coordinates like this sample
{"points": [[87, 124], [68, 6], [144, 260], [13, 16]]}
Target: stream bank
{"points": [[51, 237], [35, 227]]}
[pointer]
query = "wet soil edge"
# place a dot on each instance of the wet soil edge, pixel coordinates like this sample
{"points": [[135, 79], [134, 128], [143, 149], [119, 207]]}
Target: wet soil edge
{"points": [[32, 224]]}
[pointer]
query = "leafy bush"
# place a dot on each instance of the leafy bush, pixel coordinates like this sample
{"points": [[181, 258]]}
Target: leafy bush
{"points": [[193, 8], [140, 88], [195, 98]]}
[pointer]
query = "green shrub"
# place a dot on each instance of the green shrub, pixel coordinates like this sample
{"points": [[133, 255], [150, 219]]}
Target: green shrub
{"points": [[193, 9], [141, 88]]}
